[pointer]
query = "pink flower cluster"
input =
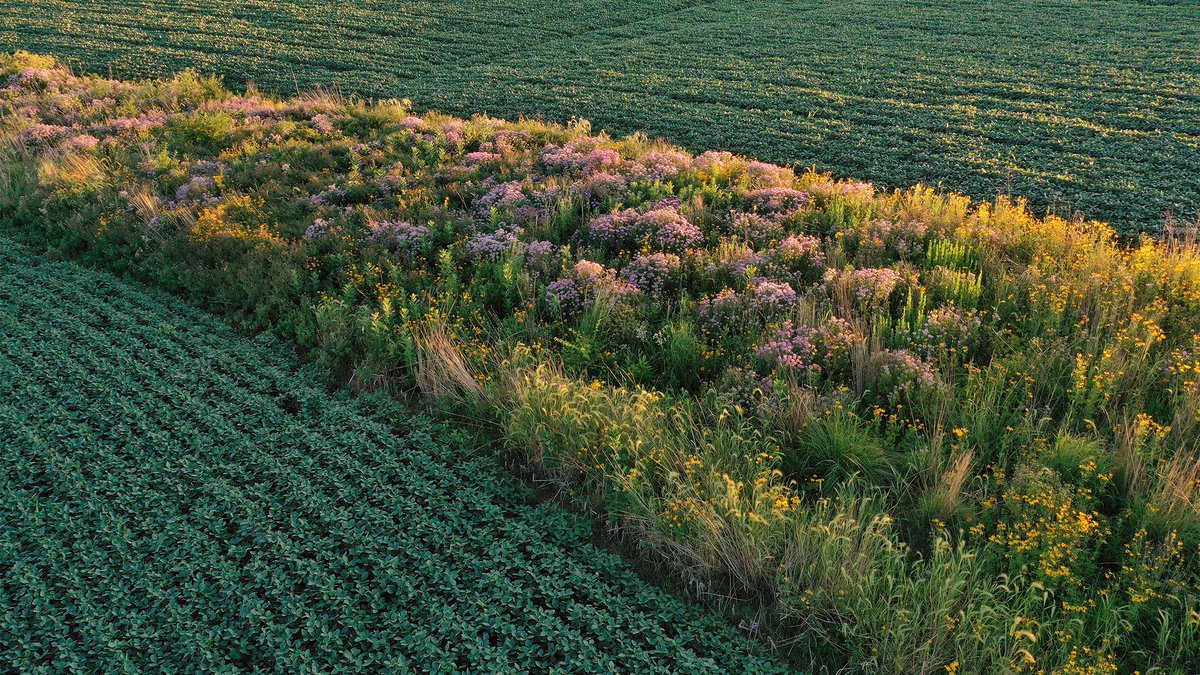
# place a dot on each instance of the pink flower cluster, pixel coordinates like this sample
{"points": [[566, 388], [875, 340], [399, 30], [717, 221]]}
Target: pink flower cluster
{"points": [[599, 187], [727, 168], [564, 296], [789, 347], [668, 228], [130, 126], [590, 273], [322, 123], [869, 287], [763, 175], [947, 330], [473, 159], [197, 189], [773, 297], [797, 251], [659, 165], [651, 272], [907, 239], [723, 313], [713, 163], [901, 372], [755, 228], [453, 131], [491, 245], [778, 202], [583, 155], [615, 231], [397, 235], [252, 108], [805, 349], [44, 133], [502, 195], [663, 226], [542, 258], [588, 280]]}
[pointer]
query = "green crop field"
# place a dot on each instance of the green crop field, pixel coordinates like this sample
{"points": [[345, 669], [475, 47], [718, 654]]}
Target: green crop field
{"points": [[1082, 106], [175, 497]]}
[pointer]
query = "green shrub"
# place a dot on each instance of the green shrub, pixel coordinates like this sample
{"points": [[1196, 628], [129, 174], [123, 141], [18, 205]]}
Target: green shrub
{"points": [[837, 446]]}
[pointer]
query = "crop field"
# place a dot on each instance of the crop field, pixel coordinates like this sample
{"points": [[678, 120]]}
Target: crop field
{"points": [[1081, 106], [173, 496]]}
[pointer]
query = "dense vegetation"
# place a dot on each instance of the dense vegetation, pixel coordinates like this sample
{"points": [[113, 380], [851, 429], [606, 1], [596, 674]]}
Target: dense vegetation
{"points": [[178, 498], [1085, 105], [898, 431]]}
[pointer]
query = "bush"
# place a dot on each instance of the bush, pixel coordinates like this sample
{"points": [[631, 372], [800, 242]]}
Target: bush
{"points": [[837, 446]]}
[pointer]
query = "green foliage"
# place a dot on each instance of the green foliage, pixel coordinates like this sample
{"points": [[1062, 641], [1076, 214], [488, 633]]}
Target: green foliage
{"points": [[837, 446], [200, 132]]}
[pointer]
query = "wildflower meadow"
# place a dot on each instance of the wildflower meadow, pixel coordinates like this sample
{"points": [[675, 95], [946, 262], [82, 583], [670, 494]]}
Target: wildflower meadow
{"points": [[881, 430]]}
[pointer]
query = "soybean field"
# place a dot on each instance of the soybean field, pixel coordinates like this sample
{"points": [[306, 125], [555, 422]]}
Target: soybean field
{"points": [[1086, 107], [173, 496]]}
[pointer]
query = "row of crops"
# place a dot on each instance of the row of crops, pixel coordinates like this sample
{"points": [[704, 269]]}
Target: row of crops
{"points": [[1080, 106], [174, 497]]}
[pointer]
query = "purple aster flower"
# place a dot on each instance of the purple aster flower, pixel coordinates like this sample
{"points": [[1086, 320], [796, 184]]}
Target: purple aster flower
{"points": [[599, 187], [723, 313], [492, 245], [504, 195], [563, 296], [319, 229], [583, 155], [778, 202], [900, 372], [670, 230], [773, 297], [869, 287], [651, 272], [789, 347], [196, 189], [322, 123], [397, 235], [473, 159], [660, 165]]}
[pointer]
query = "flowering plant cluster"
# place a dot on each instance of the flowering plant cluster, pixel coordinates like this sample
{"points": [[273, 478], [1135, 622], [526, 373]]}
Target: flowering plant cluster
{"points": [[870, 288], [397, 234], [948, 330], [723, 312], [901, 374], [651, 272], [660, 226], [789, 348]]}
